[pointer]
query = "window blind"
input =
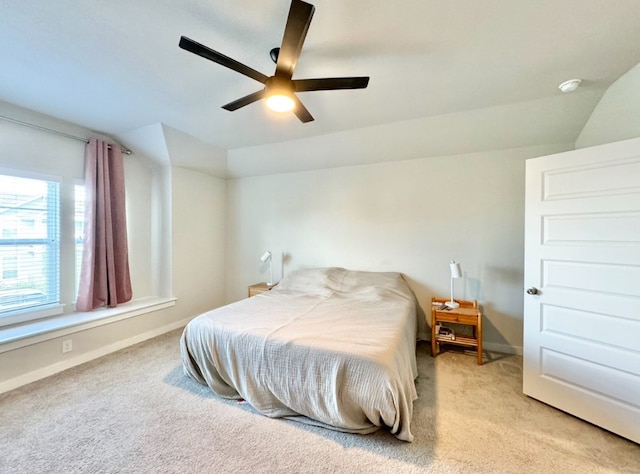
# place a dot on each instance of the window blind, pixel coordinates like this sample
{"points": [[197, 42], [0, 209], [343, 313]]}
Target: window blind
{"points": [[29, 243]]}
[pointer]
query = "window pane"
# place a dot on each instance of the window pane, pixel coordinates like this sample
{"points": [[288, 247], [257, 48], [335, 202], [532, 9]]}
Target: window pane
{"points": [[79, 229], [29, 242], [9, 267]]}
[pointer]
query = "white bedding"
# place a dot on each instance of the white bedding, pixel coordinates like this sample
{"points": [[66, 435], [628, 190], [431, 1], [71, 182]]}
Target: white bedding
{"points": [[329, 347]]}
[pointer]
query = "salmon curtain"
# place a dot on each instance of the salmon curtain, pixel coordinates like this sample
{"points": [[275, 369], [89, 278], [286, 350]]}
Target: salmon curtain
{"points": [[104, 275]]}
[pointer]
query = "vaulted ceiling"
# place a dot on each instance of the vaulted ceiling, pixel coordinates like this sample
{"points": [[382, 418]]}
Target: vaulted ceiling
{"points": [[435, 65]]}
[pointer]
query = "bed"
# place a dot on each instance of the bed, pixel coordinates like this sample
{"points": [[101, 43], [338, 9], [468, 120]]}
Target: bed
{"points": [[328, 346]]}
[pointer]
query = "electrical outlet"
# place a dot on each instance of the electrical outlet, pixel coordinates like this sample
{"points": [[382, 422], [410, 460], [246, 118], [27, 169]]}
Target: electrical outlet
{"points": [[67, 346]]}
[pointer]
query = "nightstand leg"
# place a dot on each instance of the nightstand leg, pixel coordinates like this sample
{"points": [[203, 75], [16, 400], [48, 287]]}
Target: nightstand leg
{"points": [[479, 339], [434, 344]]}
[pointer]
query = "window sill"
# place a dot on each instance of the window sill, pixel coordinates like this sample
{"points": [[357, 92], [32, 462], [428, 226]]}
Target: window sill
{"points": [[40, 330], [23, 316]]}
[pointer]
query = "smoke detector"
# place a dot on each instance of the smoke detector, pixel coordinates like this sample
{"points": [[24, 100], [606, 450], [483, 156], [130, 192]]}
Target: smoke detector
{"points": [[570, 85]]}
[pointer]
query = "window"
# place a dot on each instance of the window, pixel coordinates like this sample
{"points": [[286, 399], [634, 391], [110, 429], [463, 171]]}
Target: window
{"points": [[78, 218], [9, 267], [29, 242]]}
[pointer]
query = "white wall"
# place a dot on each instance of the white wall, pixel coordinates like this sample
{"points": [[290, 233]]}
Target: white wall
{"points": [[506, 126], [617, 115], [32, 150], [408, 216], [167, 208], [28, 150], [198, 245]]}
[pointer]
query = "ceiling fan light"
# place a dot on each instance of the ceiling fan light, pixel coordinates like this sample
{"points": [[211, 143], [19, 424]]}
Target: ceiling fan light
{"points": [[280, 103]]}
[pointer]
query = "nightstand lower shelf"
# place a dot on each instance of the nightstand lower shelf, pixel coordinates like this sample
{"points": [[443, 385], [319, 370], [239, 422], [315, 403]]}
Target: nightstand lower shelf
{"points": [[459, 340]]}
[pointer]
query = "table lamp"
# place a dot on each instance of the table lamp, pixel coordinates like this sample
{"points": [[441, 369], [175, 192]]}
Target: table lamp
{"points": [[456, 272], [267, 256]]}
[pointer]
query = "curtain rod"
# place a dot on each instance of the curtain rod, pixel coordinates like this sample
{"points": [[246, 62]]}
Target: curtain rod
{"points": [[124, 150]]}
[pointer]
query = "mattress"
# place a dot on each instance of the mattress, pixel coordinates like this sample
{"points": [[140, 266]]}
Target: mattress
{"points": [[327, 346]]}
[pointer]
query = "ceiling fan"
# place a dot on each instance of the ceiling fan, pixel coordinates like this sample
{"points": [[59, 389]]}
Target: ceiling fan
{"points": [[280, 89]]}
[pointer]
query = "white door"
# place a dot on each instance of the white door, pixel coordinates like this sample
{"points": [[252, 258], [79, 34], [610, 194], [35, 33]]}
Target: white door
{"points": [[582, 255]]}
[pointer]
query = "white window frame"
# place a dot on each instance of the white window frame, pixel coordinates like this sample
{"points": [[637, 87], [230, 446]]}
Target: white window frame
{"points": [[77, 265], [62, 320], [22, 315]]}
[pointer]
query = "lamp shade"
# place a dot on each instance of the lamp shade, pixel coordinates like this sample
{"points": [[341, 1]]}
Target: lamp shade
{"points": [[456, 271], [266, 257]]}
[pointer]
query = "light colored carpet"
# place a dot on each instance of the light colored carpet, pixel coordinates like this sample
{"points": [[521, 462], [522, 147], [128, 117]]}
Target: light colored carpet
{"points": [[134, 411]]}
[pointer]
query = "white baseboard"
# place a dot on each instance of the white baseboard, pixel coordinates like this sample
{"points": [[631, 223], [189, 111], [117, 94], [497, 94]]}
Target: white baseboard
{"points": [[87, 356], [44, 372], [502, 348]]}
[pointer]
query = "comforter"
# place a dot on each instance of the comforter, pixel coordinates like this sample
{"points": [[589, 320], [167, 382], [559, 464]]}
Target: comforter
{"points": [[328, 346]]}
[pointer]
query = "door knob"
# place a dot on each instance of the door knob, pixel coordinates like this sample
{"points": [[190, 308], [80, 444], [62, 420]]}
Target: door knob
{"points": [[533, 291]]}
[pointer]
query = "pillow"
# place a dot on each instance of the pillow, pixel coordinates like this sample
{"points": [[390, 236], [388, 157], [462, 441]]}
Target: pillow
{"points": [[313, 280], [333, 279], [360, 281]]}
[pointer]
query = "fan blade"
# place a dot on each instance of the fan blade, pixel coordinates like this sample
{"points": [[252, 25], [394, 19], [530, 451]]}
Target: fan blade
{"points": [[246, 100], [330, 83], [201, 50], [295, 32], [301, 111]]}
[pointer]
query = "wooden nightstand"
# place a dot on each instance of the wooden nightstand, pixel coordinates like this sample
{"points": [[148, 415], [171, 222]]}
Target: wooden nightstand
{"points": [[258, 288], [467, 314]]}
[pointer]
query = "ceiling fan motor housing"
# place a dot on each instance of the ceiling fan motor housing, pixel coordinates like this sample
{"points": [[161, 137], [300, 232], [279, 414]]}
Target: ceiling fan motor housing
{"points": [[279, 85], [273, 54]]}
